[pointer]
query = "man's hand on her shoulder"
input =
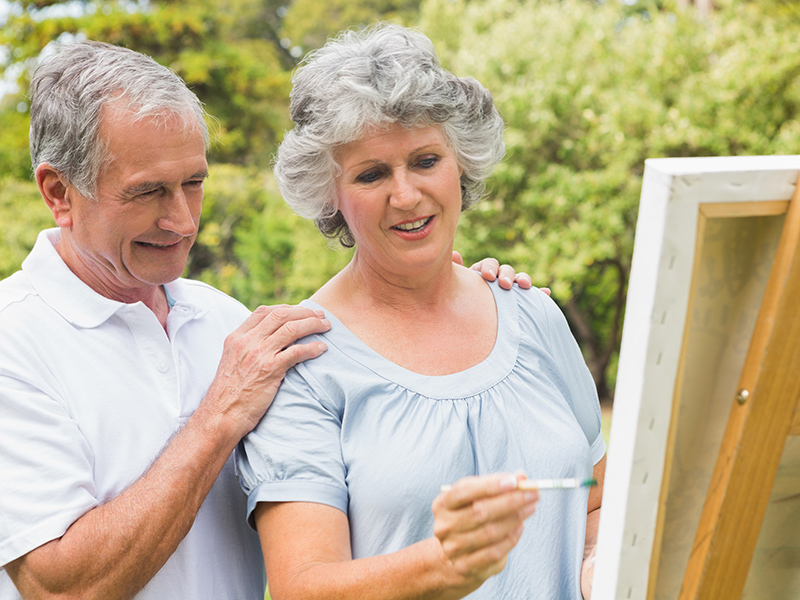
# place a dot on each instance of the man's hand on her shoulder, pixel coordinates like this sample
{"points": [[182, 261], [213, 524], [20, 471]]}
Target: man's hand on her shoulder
{"points": [[257, 355], [491, 269]]}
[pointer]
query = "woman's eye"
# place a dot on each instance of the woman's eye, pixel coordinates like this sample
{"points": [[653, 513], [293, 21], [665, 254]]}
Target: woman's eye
{"points": [[427, 163], [369, 176]]}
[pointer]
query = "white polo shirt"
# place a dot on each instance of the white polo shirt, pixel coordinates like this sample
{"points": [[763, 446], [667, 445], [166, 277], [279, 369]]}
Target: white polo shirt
{"points": [[91, 390]]}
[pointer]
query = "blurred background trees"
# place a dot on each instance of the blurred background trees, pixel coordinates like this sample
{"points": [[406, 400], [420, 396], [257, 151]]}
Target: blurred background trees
{"points": [[588, 90]]}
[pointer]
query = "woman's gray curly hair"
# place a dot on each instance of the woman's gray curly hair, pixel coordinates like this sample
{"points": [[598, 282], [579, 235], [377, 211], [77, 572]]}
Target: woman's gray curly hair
{"points": [[381, 75]]}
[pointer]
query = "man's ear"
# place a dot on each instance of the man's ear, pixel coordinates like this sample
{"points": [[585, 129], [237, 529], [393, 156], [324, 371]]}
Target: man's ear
{"points": [[55, 190]]}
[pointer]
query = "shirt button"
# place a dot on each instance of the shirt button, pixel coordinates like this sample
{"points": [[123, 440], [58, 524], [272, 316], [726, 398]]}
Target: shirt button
{"points": [[163, 367]]}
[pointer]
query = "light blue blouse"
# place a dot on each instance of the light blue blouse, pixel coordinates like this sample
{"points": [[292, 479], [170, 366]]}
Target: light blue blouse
{"points": [[352, 430]]}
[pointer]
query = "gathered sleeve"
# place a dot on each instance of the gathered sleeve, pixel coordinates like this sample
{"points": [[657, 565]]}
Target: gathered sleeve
{"points": [[295, 453]]}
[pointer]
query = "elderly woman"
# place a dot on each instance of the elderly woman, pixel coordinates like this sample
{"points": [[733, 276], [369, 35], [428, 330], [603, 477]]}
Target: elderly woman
{"points": [[432, 376]]}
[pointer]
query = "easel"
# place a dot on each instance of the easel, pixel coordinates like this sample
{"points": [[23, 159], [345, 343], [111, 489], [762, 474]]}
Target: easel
{"points": [[763, 414]]}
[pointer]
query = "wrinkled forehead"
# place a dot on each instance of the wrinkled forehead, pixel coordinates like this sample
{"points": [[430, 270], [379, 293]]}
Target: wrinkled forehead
{"points": [[123, 109], [162, 146]]}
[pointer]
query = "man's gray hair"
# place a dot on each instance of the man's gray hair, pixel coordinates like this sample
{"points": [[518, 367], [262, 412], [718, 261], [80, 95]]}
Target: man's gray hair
{"points": [[69, 90], [375, 77]]}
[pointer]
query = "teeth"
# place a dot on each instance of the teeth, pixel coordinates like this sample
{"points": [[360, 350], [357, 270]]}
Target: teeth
{"points": [[414, 225]]}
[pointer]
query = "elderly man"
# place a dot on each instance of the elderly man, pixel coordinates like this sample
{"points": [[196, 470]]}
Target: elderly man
{"points": [[123, 388], [116, 434]]}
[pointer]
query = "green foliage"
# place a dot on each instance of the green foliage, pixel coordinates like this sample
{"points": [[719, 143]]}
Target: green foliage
{"points": [[589, 90], [588, 93], [239, 71], [14, 155], [253, 247], [309, 23], [23, 214]]}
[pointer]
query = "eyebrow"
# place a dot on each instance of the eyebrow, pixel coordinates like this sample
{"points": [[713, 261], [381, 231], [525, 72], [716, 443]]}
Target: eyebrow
{"points": [[146, 186], [421, 150]]}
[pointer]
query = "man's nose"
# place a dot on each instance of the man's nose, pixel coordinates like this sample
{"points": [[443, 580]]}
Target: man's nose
{"points": [[178, 215]]}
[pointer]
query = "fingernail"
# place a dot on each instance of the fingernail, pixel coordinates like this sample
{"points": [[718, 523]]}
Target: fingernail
{"points": [[492, 273], [509, 482], [326, 322], [319, 313], [531, 497], [508, 280]]}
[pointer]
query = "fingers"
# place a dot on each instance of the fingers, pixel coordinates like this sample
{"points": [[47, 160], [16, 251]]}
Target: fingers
{"points": [[268, 337], [256, 357], [490, 269], [457, 258], [488, 560], [479, 520], [508, 277], [523, 280], [280, 326], [475, 502], [480, 535]]}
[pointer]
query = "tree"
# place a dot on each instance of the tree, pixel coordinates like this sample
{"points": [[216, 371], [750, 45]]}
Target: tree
{"points": [[23, 214], [588, 93], [588, 90], [309, 23], [253, 247], [234, 55], [240, 72]]}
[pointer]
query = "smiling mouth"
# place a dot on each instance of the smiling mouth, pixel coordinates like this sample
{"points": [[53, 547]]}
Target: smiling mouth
{"points": [[414, 225], [153, 245]]}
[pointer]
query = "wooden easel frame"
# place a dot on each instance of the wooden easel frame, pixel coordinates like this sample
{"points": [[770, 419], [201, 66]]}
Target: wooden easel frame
{"points": [[760, 420], [678, 194]]}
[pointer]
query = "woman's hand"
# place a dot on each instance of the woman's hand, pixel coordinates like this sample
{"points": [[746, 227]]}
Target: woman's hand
{"points": [[478, 521]]}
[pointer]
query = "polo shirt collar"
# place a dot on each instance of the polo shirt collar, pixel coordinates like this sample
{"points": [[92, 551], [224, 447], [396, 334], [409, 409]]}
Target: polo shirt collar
{"points": [[67, 294]]}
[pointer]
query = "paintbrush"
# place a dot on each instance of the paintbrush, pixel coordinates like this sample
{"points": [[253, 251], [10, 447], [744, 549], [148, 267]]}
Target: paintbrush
{"points": [[548, 484]]}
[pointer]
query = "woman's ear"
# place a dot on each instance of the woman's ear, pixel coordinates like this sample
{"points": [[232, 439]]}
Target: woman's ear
{"points": [[54, 189]]}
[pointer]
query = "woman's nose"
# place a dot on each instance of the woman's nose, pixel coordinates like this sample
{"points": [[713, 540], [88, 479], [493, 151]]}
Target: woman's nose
{"points": [[405, 193]]}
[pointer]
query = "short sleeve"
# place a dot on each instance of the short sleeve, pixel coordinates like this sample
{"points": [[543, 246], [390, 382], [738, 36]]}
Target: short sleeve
{"points": [[47, 469], [294, 454], [579, 389]]}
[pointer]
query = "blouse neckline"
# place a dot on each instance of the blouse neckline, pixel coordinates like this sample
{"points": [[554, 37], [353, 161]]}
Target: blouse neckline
{"points": [[463, 384]]}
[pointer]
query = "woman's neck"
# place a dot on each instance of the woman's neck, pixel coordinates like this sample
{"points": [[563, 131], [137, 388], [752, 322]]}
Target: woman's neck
{"points": [[360, 284], [441, 325]]}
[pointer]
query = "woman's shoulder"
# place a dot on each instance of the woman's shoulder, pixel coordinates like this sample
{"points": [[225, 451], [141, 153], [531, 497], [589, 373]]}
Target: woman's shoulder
{"points": [[538, 314], [533, 302]]}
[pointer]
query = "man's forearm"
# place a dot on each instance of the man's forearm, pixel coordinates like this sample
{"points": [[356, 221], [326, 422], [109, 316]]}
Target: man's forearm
{"points": [[116, 548]]}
